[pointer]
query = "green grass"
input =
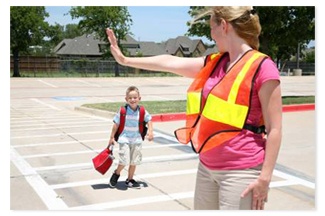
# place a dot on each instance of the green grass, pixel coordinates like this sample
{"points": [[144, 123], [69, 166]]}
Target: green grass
{"points": [[287, 100], [158, 107]]}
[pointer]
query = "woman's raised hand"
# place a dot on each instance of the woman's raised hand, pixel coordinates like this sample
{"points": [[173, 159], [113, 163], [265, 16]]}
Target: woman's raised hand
{"points": [[115, 50]]}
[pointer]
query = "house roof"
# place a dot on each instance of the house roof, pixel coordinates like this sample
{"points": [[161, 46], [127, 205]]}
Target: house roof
{"points": [[89, 45], [83, 45], [148, 49], [211, 50], [184, 43]]}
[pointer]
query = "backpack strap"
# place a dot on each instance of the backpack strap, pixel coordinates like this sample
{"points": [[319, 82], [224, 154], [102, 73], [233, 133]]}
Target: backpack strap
{"points": [[122, 122], [141, 119], [143, 129]]}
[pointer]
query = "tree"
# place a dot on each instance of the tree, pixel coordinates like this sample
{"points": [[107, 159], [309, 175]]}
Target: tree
{"points": [[27, 28], [71, 31], [310, 57], [200, 28], [55, 35], [283, 29], [95, 19], [288, 31]]}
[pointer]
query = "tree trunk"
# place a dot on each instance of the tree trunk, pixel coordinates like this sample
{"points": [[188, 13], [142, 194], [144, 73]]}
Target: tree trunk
{"points": [[16, 64], [117, 72]]}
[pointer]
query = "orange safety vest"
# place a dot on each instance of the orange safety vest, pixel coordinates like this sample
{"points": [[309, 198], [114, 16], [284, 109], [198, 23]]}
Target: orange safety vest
{"points": [[224, 113]]}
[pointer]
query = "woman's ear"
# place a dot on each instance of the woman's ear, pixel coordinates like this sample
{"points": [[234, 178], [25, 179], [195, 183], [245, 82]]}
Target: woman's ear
{"points": [[224, 25]]}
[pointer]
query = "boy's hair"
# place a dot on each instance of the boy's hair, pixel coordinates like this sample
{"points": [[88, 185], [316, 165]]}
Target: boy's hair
{"points": [[132, 88]]}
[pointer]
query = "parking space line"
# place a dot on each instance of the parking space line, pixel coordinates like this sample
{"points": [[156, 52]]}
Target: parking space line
{"points": [[47, 195], [46, 83], [45, 104], [295, 179], [88, 83], [136, 201], [141, 176], [153, 159]]}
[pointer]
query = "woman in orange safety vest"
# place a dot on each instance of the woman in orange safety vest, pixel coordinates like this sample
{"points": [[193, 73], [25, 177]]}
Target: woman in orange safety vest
{"points": [[222, 115], [234, 96]]}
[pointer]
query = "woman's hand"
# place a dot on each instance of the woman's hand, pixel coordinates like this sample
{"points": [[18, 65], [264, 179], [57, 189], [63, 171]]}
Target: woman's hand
{"points": [[115, 50], [259, 191]]}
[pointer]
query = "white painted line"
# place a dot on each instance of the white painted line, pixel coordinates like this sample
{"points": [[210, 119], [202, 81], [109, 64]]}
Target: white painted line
{"points": [[141, 176], [87, 83], [145, 160], [67, 166], [81, 123], [283, 183], [54, 119], [57, 143], [76, 133], [45, 104], [96, 151], [46, 83], [58, 154], [137, 201], [294, 179], [47, 118], [48, 196], [59, 134], [60, 127]]}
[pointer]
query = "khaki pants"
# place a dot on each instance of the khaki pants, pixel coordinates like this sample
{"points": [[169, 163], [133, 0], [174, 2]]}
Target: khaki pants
{"points": [[221, 190], [130, 154]]}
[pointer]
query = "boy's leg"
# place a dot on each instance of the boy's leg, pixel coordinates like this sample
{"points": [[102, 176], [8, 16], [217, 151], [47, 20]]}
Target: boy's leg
{"points": [[135, 159], [119, 169], [123, 160], [131, 171], [124, 155]]}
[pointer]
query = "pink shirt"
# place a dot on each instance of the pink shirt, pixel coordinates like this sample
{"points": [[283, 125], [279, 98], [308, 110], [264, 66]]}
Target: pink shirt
{"points": [[246, 150]]}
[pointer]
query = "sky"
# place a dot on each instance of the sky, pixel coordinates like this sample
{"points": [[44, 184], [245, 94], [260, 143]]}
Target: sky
{"points": [[150, 23]]}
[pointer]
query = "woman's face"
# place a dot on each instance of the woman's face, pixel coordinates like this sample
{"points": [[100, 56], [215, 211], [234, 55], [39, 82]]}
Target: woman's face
{"points": [[216, 31]]}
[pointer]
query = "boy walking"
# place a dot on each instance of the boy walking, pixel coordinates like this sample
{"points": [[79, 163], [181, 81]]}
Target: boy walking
{"points": [[130, 139]]}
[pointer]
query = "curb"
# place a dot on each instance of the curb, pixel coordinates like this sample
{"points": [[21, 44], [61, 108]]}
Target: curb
{"points": [[181, 116], [96, 112], [296, 108]]}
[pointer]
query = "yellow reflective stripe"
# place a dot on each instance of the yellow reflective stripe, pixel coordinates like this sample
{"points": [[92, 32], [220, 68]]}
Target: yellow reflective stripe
{"points": [[234, 89], [193, 103], [225, 112], [214, 55]]}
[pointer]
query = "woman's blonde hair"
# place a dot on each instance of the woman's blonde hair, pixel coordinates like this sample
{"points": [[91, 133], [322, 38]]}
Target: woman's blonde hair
{"points": [[244, 20]]}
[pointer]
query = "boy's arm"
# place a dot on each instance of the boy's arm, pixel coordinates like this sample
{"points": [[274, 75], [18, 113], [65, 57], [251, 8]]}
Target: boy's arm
{"points": [[114, 130], [150, 131]]}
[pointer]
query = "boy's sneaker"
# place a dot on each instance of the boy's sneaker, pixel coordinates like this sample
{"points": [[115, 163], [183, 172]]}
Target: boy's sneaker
{"points": [[132, 183], [113, 180]]}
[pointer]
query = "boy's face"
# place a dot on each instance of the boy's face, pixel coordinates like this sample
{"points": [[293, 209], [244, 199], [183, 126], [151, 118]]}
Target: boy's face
{"points": [[133, 99]]}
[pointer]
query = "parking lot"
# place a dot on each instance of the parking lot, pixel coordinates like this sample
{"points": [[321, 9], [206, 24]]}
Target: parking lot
{"points": [[52, 144]]}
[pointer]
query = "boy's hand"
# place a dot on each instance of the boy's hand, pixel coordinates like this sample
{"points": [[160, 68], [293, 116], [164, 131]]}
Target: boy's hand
{"points": [[150, 136], [111, 142]]}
